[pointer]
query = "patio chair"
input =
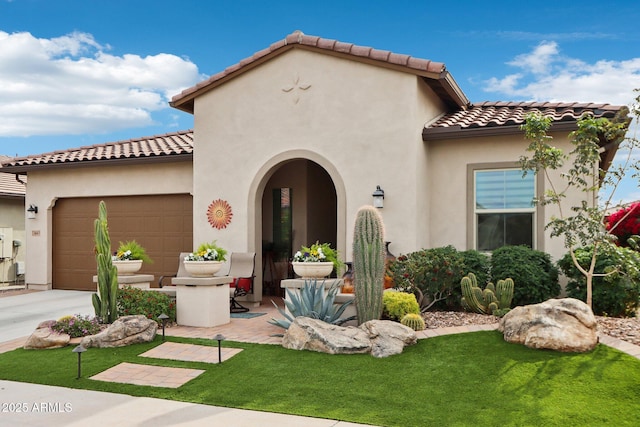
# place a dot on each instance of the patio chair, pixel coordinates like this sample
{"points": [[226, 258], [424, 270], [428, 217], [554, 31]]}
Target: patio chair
{"points": [[182, 272], [242, 269]]}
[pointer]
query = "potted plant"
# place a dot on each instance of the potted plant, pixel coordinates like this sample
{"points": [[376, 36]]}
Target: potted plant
{"points": [[316, 261], [129, 257], [206, 260]]}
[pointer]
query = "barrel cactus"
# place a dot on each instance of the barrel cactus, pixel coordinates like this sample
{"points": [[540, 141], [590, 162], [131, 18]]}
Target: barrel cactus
{"points": [[368, 264], [494, 300], [105, 302], [414, 321]]}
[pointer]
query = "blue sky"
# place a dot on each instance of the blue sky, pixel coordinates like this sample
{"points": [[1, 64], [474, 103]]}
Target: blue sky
{"points": [[82, 72]]}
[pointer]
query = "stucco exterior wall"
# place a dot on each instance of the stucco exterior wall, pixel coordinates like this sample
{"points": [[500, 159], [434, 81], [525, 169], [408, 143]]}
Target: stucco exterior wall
{"points": [[362, 123], [47, 186], [450, 190]]}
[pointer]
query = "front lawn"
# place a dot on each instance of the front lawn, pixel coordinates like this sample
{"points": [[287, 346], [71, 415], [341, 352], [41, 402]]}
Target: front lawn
{"points": [[456, 380]]}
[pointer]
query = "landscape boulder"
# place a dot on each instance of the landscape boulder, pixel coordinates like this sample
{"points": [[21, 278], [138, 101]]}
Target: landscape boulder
{"points": [[566, 325], [44, 337], [126, 330], [380, 338]]}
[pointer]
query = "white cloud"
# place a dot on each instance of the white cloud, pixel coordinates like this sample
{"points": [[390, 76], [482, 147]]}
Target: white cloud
{"points": [[544, 74], [72, 85]]}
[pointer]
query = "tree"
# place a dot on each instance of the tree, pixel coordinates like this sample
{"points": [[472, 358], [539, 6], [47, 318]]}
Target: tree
{"points": [[583, 224]]}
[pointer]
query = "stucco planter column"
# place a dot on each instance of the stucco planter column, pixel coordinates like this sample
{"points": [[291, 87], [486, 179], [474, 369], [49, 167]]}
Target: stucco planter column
{"points": [[202, 301]]}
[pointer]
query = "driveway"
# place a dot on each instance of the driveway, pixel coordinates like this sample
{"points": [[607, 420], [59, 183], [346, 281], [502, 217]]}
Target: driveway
{"points": [[21, 314]]}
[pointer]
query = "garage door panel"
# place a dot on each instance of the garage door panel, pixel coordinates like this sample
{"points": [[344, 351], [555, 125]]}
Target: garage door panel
{"points": [[129, 219]]}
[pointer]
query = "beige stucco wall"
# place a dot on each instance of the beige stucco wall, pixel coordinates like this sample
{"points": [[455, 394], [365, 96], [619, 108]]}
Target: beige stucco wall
{"points": [[47, 186], [362, 123], [450, 191]]}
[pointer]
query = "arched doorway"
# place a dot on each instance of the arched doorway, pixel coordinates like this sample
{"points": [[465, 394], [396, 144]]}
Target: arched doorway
{"points": [[298, 208]]}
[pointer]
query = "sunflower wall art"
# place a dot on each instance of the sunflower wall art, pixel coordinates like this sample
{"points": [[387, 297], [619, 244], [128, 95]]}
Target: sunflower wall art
{"points": [[219, 214]]}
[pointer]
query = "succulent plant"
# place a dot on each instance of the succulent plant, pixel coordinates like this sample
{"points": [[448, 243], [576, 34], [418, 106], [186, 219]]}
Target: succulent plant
{"points": [[494, 300], [414, 321], [104, 302]]}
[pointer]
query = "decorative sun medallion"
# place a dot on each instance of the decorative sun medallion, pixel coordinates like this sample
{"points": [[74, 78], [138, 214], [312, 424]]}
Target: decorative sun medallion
{"points": [[219, 214]]}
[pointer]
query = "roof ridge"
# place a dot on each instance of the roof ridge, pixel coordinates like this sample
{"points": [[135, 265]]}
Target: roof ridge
{"points": [[316, 42]]}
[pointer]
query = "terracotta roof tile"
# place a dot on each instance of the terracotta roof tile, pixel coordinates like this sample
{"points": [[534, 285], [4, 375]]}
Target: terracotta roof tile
{"points": [[500, 114], [183, 99], [166, 145]]}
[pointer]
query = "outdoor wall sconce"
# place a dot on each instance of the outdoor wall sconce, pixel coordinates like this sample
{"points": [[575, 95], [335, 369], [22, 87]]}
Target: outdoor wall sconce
{"points": [[79, 349], [32, 211], [219, 338], [378, 197], [163, 318]]}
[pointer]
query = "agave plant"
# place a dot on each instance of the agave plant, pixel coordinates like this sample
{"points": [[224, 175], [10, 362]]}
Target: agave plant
{"points": [[312, 302]]}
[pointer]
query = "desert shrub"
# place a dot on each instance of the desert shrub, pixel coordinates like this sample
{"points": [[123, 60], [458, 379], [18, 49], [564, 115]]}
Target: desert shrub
{"points": [[533, 272], [432, 274], [397, 304], [477, 263], [614, 295], [148, 303], [77, 326]]}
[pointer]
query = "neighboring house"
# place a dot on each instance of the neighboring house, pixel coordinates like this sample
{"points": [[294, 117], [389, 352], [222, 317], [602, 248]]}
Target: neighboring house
{"points": [[295, 139], [12, 230]]}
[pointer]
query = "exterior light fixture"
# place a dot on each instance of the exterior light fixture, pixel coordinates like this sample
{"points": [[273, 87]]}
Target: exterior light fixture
{"points": [[79, 349], [32, 211], [219, 338], [163, 318], [378, 197]]}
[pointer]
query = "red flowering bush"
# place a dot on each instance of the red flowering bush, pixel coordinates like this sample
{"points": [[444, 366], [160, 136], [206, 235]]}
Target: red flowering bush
{"points": [[625, 223]]}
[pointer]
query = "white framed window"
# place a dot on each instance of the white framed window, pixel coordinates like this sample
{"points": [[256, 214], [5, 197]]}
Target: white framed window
{"points": [[503, 209]]}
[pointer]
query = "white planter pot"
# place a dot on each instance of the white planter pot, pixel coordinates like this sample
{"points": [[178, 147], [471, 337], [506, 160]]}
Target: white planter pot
{"points": [[128, 267], [312, 270], [202, 268]]}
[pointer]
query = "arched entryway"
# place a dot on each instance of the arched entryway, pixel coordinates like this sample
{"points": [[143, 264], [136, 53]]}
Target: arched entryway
{"points": [[298, 198]]}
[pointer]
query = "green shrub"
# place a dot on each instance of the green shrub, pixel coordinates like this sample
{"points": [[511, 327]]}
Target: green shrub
{"points": [[434, 273], [398, 304], [77, 326], [533, 272], [477, 263], [148, 303], [614, 295]]}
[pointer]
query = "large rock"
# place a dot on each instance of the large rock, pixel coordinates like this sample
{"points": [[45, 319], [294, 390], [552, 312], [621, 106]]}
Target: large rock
{"points": [[388, 337], [381, 338], [558, 324], [44, 337], [124, 331]]}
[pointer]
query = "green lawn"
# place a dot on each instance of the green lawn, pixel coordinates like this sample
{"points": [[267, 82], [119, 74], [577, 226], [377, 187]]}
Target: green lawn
{"points": [[457, 380]]}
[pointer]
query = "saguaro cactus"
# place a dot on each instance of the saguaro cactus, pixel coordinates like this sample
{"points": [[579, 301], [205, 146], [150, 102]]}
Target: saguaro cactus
{"points": [[368, 263], [104, 302]]}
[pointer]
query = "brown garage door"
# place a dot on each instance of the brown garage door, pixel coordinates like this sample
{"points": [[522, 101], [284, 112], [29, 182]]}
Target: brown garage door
{"points": [[162, 224]]}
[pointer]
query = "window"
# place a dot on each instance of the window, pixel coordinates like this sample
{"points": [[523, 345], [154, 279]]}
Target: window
{"points": [[504, 212]]}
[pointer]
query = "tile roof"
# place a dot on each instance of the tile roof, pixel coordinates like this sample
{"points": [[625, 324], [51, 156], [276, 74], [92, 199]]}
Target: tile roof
{"points": [[502, 117], [424, 67], [9, 185], [169, 146]]}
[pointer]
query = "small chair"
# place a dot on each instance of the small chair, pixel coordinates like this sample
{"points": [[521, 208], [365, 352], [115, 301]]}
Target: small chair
{"points": [[242, 269], [182, 272]]}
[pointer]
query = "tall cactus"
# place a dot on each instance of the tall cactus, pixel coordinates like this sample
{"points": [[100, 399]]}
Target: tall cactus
{"points": [[494, 300], [368, 263], [104, 302]]}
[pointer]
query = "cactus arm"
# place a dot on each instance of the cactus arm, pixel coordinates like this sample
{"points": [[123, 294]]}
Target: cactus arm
{"points": [[505, 292], [472, 295]]}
